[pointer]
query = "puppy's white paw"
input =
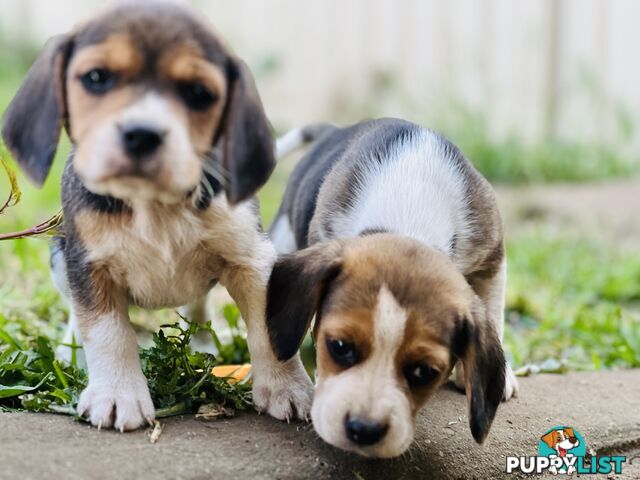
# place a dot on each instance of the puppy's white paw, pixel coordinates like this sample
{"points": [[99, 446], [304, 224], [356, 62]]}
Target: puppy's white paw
{"points": [[124, 405], [285, 392], [510, 384]]}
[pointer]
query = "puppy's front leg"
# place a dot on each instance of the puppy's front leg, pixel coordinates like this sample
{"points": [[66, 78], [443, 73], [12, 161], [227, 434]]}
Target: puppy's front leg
{"points": [[282, 389], [117, 394]]}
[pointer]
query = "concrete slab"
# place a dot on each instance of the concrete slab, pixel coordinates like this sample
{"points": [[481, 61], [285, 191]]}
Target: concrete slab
{"points": [[603, 407]]}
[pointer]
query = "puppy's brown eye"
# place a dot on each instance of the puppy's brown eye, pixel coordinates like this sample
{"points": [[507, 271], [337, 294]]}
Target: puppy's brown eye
{"points": [[196, 96], [342, 352], [98, 80], [419, 374]]}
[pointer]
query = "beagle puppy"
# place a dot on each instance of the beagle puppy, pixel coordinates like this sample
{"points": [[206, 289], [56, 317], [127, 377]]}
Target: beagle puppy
{"points": [[170, 142], [394, 242]]}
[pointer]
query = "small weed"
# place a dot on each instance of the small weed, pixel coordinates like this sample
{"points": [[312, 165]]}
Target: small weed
{"points": [[179, 380]]}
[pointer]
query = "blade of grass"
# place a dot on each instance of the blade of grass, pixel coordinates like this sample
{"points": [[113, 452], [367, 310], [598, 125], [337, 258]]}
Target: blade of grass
{"points": [[60, 374], [14, 193], [10, 340]]}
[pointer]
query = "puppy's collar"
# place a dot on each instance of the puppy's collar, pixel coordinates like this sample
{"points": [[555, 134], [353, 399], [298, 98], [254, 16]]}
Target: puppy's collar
{"points": [[209, 187]]}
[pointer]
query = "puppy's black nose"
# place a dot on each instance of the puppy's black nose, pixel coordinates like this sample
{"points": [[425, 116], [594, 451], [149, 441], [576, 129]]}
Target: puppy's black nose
{"points": [[365, 432], [140, 140]]}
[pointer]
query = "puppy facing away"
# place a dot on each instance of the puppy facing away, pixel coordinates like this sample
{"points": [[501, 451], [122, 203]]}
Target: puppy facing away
{"points": [[170, 142], [394, 242]]}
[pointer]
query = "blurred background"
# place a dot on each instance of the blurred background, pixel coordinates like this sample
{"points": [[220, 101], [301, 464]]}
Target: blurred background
{"points": [[542, 96]]}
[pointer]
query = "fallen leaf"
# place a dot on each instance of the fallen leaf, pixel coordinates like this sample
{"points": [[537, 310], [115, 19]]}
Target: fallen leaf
{"points": [[213, 411], [157, 431]]}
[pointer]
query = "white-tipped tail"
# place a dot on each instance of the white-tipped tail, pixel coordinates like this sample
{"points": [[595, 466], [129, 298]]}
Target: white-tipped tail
{"points": [[290, 141], [296, 138]]}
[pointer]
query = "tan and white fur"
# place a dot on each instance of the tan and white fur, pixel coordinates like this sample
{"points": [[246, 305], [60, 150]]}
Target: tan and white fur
{"points": [[170, 143], [394, 242]]}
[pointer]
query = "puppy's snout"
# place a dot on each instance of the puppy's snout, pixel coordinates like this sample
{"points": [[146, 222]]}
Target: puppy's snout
{"points": [[141, 140], [365, 432]]}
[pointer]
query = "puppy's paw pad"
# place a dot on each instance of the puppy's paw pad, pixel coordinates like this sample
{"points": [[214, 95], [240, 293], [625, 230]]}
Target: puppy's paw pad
{"points": [[123, 408]]}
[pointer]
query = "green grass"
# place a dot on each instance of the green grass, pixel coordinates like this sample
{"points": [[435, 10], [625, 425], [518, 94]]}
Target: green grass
{"points": [[572, 299], [511, 159], [179, 379]]}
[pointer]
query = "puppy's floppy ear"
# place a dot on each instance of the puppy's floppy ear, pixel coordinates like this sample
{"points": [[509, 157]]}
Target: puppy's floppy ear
{"points": [[296, 289], [33, 120], [247, 149], [484, 368]]}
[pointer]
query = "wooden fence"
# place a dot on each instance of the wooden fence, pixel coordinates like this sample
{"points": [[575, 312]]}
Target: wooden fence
{"points": [[535, 67]]}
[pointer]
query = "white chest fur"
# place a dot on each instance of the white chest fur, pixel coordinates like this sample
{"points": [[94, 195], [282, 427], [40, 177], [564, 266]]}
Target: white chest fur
{"points": [[163, 256]]}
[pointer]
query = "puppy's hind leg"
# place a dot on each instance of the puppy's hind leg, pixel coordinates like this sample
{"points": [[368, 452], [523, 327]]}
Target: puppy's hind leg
{"points": [[491, 291], [198, 312], [195, 311], [71, 342], [282, 235]]}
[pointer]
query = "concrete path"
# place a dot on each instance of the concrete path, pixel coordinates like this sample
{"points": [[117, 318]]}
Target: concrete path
{"points": [[603, 407]]}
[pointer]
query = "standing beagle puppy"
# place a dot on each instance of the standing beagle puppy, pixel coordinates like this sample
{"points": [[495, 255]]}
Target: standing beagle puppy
{"points": [[170, 142], [399, 255]]}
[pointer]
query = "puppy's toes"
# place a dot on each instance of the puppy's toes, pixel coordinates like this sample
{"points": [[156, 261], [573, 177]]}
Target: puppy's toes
{"points": [[284, 393], [289, 403], [99, 409], [510, 384], [125, 408], [133, 412]]}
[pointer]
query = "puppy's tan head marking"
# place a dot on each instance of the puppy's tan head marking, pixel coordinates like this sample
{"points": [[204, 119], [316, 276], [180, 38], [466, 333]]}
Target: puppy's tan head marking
{"points": [[148, 93], [392, 319]]}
